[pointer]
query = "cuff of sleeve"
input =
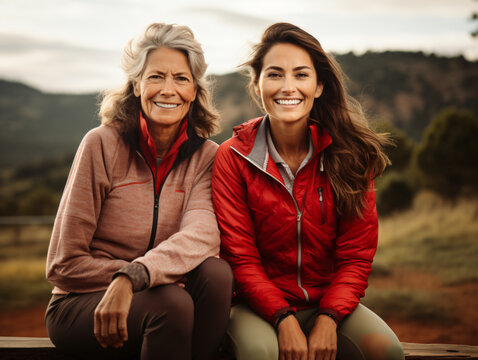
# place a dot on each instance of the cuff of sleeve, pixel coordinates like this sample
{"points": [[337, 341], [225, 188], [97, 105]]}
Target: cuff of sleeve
{"points": [[333, 314], [281, 312], [137, 273]]}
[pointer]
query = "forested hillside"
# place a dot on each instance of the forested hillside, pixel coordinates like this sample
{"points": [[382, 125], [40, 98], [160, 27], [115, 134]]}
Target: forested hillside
{"points": [[408, 89], [38, 126]]}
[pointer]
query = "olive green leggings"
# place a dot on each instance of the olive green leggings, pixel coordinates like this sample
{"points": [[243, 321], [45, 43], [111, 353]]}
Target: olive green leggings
{"points": [[361, 336]]}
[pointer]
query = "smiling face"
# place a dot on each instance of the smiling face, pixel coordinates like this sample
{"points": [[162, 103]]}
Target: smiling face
{"points": [[288, 83], [166, 87]]}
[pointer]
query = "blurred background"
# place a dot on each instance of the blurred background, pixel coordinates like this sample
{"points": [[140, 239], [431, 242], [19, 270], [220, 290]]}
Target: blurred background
{"points": [[411, 63]]}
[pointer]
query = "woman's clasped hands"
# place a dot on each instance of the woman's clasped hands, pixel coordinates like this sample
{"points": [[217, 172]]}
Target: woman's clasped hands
{"points": [[321, 344]]}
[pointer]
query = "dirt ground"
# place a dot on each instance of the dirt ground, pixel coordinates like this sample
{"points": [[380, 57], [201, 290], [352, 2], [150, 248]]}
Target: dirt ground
{"points": [[463, 300], [29, 322], [23, 322]]}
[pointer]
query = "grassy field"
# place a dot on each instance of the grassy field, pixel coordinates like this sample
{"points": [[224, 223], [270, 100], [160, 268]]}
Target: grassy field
{"points": [[426, 260], [434, 235], [22, 265]]}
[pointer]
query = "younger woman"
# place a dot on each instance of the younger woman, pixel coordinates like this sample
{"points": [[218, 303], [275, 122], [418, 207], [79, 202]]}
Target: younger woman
{"points": [[293, 194]]}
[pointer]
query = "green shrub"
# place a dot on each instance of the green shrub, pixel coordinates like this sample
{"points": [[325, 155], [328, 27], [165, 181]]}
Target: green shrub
{"points": [[394, 193], [447, 155]]}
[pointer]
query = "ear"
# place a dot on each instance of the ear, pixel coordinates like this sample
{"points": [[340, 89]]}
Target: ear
{"points": [[136, 89], [257, 90], [195, 93], [319, 90]]}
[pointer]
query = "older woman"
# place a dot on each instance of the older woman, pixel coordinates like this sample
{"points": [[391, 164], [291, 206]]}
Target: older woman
{"points": [[133, 250], [293, 191]]}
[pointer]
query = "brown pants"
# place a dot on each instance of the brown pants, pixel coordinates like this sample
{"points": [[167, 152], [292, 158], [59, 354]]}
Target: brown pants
{"points": [[164, 322]]}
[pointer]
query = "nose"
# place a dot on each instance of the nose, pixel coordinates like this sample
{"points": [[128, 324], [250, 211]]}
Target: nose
{"points": [[167, 88], [288, 85]]}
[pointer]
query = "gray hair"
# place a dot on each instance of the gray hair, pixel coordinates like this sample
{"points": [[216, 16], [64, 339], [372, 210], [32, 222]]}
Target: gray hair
{"points": [[121, 106]]}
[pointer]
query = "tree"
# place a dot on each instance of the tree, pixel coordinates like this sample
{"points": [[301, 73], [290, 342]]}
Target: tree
{"points": [[448, 153]]}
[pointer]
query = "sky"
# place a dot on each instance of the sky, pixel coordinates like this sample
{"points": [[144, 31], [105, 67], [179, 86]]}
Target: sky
{"points": [[75, 46]]}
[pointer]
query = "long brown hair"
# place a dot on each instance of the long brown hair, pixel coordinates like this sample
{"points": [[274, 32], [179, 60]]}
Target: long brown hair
{"points": [[355, 156]]}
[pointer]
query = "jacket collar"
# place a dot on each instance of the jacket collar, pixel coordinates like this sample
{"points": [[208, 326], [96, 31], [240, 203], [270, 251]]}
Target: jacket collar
{"points": [[148, 147], [185, 145], [252, 142]]}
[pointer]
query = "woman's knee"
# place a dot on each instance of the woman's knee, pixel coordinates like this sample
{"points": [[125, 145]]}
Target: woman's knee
{"points": [[216, 271], [377, 346], [250, 336], [212, 282], [365, 335], [170, 305]]}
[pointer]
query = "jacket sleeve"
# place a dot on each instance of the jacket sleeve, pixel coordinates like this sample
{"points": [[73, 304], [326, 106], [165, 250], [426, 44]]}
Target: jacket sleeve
{"points": [[70, 264], [196, 240], [356, 244], [238, 238]]}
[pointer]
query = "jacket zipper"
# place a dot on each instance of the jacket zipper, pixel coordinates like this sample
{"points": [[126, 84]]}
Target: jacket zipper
{"points": [[321, 202], [152, 238], [155, 221], [299, 226]]}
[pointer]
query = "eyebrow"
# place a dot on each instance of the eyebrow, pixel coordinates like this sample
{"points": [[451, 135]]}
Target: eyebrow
{"points": [[183, 73], [298, 68], [174, 74]]}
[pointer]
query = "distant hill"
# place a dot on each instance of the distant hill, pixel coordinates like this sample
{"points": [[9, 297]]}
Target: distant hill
{"points": [[406, 88], [410, 88], [37, 126]]}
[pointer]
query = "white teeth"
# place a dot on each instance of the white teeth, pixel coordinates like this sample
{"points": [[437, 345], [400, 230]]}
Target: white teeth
{"points": [[288, 102], [166, 106]]}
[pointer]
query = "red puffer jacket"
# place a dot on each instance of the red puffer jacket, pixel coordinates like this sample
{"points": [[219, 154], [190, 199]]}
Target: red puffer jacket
{"points": [[287, 252]]}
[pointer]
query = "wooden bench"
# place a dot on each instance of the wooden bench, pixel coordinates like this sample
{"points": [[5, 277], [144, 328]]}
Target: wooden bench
{"points": [[13, 348]]}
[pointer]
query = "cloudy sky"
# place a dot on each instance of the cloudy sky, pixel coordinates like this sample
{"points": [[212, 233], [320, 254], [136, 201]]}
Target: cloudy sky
{"points": [[76, 45]]}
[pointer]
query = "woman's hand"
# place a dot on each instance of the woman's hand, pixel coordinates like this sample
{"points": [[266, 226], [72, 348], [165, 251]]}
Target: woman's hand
{"points": [[112, 312], [323, 339], [292, 341]]}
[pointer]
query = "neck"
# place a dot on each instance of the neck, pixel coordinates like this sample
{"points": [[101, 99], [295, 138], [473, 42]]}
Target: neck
{"points": [[163, 136], [290, 139]]}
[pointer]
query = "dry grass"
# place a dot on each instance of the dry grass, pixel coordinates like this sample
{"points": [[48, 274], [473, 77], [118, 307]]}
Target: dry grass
{"points": [[23, 283], [22, 265], [435, 235], [431, 216], [435, 240], [408, 304]]}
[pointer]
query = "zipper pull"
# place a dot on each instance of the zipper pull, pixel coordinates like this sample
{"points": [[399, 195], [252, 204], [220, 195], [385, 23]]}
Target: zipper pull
{"points": [[321, 198], [299, 215]]}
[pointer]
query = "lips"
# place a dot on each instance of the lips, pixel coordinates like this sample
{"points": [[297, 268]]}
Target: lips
{"points": [[288, 101], [166, 105]]}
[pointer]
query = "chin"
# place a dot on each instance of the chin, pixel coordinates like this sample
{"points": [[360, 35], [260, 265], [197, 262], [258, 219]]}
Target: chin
{"points": [[289, 118]]}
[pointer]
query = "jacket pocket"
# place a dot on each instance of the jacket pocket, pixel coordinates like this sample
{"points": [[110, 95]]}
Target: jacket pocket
{"points": [[322, 205]]}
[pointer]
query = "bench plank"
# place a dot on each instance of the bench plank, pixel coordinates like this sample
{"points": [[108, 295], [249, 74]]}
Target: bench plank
{"points": [[439, 351], [14, 348], [29, 348]]}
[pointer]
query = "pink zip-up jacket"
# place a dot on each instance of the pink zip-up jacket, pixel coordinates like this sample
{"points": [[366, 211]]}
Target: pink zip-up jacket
{"points": [[110, 215]]}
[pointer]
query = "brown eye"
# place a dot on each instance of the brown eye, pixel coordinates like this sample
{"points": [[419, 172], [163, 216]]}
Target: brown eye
{"points": [[273, 75], [182, 79]]}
